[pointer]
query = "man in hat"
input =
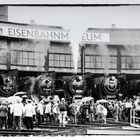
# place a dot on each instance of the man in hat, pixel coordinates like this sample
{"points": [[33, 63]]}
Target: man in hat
{"points": [[29, 112]]}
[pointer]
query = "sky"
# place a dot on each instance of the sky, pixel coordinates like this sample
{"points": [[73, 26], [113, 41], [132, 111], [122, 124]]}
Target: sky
{"points": [[78, 17], [70, 1]]}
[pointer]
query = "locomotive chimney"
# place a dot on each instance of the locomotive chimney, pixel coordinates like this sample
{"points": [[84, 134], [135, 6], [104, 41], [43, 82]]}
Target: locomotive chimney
{"points": [[3, 13]]}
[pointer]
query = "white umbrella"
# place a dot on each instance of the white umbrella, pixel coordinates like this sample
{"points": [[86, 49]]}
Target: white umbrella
{"points": [[102, 101], [20, 93], [24, 96], [86, 99], [14, 99]]}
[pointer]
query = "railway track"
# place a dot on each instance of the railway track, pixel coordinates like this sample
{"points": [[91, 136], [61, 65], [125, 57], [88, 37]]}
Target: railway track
{"points": [[69, 130]]}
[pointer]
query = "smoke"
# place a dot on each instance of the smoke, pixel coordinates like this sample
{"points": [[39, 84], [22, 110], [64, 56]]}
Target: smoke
{"points": [[33, 81], [75, 38], [41, 48], [105, 53], [30, 84]]}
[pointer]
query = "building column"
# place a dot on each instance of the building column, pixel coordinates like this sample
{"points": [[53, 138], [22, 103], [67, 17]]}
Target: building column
{"points": [[118, 59], [47, 62]]}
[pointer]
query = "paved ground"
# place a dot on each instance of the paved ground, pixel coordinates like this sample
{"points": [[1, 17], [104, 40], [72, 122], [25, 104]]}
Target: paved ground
{"points": [[97, 128]]}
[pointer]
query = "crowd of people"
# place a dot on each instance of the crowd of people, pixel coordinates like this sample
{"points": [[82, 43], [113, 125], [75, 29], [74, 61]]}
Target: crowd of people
{"points": [[27, 112]]}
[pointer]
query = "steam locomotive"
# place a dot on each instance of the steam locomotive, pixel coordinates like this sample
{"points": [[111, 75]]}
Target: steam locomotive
{"points": [[8, 85], [69, 86], [52, 83]]}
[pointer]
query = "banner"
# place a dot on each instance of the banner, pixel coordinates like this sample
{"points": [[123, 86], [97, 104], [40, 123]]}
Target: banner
{"points": [[91, 37], [30, 33]]}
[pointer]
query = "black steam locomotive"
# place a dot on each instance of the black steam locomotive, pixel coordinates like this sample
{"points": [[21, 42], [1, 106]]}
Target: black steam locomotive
{"points": [[52, 83], [8, 84]]}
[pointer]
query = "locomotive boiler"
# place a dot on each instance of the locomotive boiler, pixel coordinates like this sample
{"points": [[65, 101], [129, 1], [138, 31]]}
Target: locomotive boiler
{"points": [[107, 87], [45, 84], [68, 86], [8, 85], [77, 85]]}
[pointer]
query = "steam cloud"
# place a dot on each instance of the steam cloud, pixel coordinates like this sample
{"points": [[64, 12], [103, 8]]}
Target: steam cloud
{"points": [[76, 38], [105, 53]]}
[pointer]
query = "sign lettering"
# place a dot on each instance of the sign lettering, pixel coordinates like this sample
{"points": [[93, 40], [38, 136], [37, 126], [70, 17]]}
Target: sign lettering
{"points": [[95, 37], [50, 34]]}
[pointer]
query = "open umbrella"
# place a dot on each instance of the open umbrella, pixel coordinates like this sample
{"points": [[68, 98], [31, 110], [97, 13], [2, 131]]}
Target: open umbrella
{"points": [[14, 99], [86, 99], [102, 101], [24, 96], [20, 93]]}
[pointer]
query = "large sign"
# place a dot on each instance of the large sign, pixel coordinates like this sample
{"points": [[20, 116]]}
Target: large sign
{"points": [[95, 37], [29, 33]]}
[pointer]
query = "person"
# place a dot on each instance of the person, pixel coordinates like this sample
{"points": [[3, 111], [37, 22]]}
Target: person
{"points": [[29, 112], [18, 111], [83, 112], [48, 111], [34, 109], [128, 106], [54, 111], [110, 109], [73, 111], [116, 111], [92, 111], [3, 115], [10, 115], [137, 107], [63, 107], [40, 112], [120, 110], [101, 112]]}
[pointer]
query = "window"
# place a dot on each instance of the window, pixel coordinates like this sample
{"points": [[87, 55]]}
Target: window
{"points": [[130, 62], [100, 62], [113, 62], [27, 58], [61, 60]]}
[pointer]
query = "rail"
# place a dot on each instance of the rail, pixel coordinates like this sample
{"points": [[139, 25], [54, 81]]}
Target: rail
{"points": [[135, 118]]}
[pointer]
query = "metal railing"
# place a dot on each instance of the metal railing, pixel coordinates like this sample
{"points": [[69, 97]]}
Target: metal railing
{"points": [[134, 118]]}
